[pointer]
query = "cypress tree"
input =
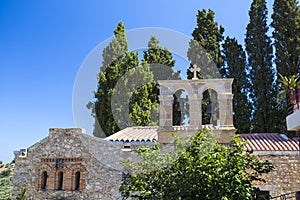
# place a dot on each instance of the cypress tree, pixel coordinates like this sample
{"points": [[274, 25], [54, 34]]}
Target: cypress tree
{"points": [[286, 34], [162, 63], [205, 52], [116, 62], [127, 88], [235, 59], [260, 54], [205, 48]]}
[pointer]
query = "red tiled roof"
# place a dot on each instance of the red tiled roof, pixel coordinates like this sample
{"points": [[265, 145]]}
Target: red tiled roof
{"points": [[269, 142], [264, 142]]}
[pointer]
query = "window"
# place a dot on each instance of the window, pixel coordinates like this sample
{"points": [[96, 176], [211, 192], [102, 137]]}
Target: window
{"points": [[59, 162], [44, 180], [60, 179], [263, 195], [77, 181]]}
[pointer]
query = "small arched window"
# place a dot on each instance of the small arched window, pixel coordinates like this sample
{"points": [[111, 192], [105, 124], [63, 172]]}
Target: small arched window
{"points": [[77, 180], [60, 179], [44, 180]]}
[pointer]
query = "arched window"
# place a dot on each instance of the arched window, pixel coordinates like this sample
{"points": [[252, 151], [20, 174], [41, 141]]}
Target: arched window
{"points": [[60, 179], [44, 180], [180, 108], [210, 107], [77, 180]]}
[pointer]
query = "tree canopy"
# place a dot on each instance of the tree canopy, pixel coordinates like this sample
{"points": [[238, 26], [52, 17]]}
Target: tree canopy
{"points": [[262, 72], [236, 68], [198, 169], [127, 93], [204, 50]]}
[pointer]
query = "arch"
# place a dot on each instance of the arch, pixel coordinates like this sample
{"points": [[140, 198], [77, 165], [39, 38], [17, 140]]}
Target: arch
{"points": [[60, 180], [43, 175], [77, 180], [212, 86], [195, 90], [78, 176], [210, 107]]}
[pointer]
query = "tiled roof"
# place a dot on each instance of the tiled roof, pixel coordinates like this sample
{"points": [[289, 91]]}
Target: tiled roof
{"points": [[270, 142], [259, 142], [135, 134], [143, 133]]}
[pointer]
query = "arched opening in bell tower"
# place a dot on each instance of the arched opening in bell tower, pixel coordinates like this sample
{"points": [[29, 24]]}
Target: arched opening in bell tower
{"points": [[180, 108], [210, 107]]}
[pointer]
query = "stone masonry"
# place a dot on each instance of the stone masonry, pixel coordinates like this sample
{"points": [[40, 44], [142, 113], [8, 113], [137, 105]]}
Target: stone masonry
{"points": [[69, 151], [285, 176]]}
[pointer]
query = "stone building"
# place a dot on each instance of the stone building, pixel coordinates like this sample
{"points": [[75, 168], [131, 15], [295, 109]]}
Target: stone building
{"points": [[70, 164]]}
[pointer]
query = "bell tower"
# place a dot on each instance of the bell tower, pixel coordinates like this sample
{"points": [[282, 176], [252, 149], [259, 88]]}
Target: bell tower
{"points": [[195, 88]]}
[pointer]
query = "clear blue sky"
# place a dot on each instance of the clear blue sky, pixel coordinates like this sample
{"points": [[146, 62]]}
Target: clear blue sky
{"points": [[43, 43]]}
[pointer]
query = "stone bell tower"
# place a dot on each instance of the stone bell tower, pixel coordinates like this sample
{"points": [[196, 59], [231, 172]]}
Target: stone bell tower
{"points": [[195, 88]]}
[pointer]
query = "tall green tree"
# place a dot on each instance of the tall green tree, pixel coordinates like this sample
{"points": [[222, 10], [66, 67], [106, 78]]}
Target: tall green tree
{"points": [[260, 54], [162, 65], [199, 169], [235, 59], [205, 51], [127, 93], [116, 62], [205, 48], [286, 35]]}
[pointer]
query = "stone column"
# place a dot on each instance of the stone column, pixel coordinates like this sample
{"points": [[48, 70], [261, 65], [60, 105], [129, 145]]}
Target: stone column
{"points": [[195, 111], [225, 110], [166, 111]]}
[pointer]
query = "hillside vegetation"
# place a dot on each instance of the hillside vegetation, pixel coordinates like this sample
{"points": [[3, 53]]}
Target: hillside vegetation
{"points": [[6, 175]]}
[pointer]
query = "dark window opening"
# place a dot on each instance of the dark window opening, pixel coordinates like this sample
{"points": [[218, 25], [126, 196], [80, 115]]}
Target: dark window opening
{"points": [[77, 181], [44, 180], [58, 163], [180, 108], [263, 195], [60, 181], [210, 107]]}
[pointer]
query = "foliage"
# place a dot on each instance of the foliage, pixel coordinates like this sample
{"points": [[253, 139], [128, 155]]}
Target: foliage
{"points": [[6, 177], [161, 63], [127, 87], [235, 59], [205, 48], [261, 70], [113, 67], [22, 195], [198, 169], [286, 35], [288, 84]]}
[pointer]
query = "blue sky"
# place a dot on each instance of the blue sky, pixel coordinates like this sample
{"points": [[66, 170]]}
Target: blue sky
{"points": [[43, 43]]}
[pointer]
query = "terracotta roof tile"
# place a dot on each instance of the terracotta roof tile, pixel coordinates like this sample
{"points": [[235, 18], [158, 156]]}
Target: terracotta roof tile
{"points": [[269, 142], [256, 142]]}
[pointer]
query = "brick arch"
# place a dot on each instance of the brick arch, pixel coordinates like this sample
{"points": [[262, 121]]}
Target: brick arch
{"points": [[58, 173], [83, 172], [44, 167]]}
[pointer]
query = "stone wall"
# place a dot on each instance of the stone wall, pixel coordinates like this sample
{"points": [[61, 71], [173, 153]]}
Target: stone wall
{"points": [[285, 176], [97, 160]]}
